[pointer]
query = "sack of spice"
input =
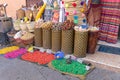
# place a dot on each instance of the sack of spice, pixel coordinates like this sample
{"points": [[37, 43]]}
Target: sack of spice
{"points": [[67, 25], [47, 25], [39, 23], [57, 26]]}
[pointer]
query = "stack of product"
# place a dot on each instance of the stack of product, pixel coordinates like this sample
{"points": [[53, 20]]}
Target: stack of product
{"points": [[75, 10]]}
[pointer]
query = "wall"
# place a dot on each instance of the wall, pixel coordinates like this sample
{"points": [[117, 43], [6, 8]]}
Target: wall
{"points": [[13, 5]]}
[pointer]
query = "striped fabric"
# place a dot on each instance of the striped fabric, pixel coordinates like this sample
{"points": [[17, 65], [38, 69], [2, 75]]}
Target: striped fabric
{"points": [[110, 20]]}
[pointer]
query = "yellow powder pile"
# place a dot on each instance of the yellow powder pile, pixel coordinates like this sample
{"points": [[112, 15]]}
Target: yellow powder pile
{"points": [[8, 49]]}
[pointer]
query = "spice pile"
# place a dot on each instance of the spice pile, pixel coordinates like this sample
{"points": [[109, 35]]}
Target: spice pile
{"points": [[73, 68], [57, 26], [47, 25], [38, 57], [15, 53], [39, 23], [67, 25], [8, 49]]}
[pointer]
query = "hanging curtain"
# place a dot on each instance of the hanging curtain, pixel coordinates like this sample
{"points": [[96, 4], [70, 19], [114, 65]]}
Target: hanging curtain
{"points": [[110, 20], [93, 12]]}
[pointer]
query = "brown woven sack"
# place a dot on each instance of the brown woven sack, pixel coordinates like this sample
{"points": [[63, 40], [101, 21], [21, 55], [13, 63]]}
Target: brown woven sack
{"points": [[38, 37], [80, 43], [28, 14], [56, 40], [92, 41], [67, 41], [47, 38], [34, 14], [20, 14]]}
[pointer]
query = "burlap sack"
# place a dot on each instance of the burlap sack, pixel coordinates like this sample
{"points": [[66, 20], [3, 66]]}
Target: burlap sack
{"points": [[34, 14], [56, 40], [80, 43], [20, 14], [28, 14], [93, 16], [47, 38], [38, 37], [92, 41], [67, 41]]}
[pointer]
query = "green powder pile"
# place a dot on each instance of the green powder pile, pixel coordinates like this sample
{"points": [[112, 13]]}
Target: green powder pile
{"points": [[73, 68]]}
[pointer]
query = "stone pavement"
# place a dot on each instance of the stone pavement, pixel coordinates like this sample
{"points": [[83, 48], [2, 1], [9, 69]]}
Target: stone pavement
{"points": [[16, 69]]}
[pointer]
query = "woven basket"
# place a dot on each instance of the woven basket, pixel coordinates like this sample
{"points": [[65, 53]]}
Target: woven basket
{"points": [[92, 41], [67, 41], [30, 26], [11, 37], [23, 27], [56, 40], [23, 43], [46, 38], [80, 43], [20, 14], [38, 37], [27, 14], [16, 26]]}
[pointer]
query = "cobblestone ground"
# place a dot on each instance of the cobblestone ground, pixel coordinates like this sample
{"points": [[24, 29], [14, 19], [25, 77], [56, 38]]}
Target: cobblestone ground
{"points": [[17, 69]]}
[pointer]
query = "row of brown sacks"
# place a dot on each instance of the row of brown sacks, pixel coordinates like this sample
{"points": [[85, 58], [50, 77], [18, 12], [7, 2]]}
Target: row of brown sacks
{"points": [[68, 41]]}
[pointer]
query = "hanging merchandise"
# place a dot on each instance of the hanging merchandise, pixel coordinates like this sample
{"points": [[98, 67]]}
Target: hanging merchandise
{"points": [[75, 9], [55, 4], [110, 22], [48, 14], [67, 5], [62, 12], [75, 19], [40, 12], [93, 15], [55, 17]]}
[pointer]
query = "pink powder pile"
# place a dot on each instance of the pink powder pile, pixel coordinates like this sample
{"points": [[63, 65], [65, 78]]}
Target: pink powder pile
{"points": [[15, 53]]}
